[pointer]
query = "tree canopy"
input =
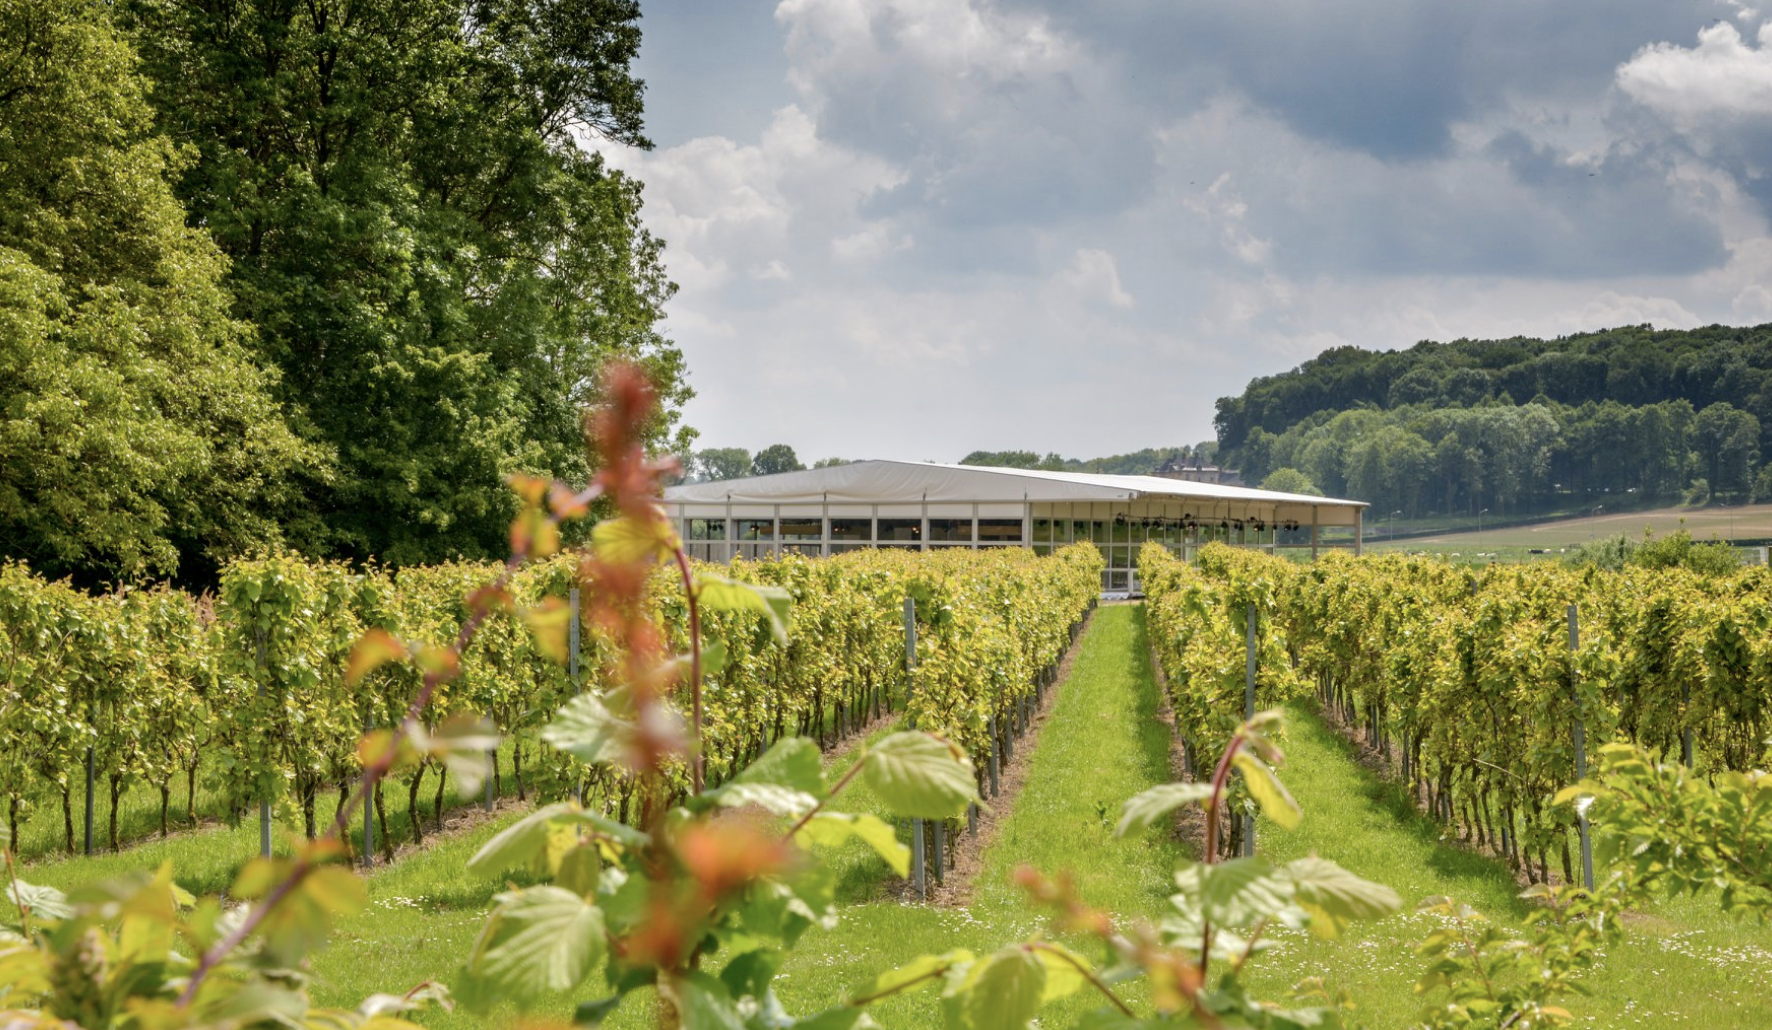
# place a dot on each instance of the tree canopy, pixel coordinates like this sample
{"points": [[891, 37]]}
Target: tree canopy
{"points": [[136, 432], [435, 265], [775, 458]]}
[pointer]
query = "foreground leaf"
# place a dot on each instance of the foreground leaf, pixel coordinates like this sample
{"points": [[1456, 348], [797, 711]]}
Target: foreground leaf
{"points": [[626, 540], [924, 968], [1335, 897], [588, 731], [920, 775], [539, 940], [1001, 992], [834, 828], [1276, 803], [374, 648], [717, 593], [1146, 808]]}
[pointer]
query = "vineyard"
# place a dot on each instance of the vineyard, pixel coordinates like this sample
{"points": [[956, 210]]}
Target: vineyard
{"points": [[246, 693], [1476, 686], [1474, 689]]}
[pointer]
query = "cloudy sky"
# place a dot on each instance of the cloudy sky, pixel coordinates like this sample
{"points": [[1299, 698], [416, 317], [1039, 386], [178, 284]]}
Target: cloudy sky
{"points": [[915, 228]]}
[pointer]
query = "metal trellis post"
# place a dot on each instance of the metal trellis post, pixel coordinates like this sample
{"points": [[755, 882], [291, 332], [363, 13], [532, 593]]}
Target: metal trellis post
{"points": [[1587, 847]]}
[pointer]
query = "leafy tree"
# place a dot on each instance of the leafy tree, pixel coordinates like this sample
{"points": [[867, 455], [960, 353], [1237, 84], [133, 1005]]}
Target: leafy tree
{"points": [[136, 435], [433, 262], [775, 458], [826, 463], [1729, 440], [716, 463], [1290, 481]]}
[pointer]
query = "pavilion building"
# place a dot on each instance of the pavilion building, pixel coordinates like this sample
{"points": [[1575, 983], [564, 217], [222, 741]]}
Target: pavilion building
{"points": [[924, 506]]}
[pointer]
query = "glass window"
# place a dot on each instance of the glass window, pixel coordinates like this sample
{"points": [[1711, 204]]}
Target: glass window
{"points": [[852, 529], [840, 548], [1042, 529], [1042, 549], [1122, 530], [707, 529], [950, 531], [802, 529], [1098, 531], [756, 529], [1001, 531], [901, 531]]}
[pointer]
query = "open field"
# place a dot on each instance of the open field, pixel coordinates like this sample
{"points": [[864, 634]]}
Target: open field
{"points": [[1718, 522]]}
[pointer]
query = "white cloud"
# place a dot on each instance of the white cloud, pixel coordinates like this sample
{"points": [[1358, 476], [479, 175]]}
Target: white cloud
{"points": [[1723, 76]]}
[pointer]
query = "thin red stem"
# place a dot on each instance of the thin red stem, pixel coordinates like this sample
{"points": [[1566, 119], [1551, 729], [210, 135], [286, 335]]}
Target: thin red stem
{"points": [[1220, 778], [696, 754]]}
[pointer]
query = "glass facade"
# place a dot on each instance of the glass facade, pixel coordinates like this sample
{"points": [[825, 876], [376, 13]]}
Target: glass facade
{"points": [[1118, 529]]}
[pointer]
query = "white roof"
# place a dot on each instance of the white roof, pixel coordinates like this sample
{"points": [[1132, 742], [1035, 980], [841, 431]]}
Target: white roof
{"points": [[884, 481]]}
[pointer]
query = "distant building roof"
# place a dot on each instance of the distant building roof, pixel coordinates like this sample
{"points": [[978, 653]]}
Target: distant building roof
{"points": [[887, 481]]}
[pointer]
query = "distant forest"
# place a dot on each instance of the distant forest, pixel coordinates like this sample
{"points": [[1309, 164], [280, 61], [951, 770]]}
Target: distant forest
{"points": [[1620, 417]]}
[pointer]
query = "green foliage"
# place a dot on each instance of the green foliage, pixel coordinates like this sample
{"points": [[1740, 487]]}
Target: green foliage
{"points": [[716, 463], [137, 437], [775, 458], [1674, 551], [1290, 481], [1516, 425], [434, 264], [1015, 460]]}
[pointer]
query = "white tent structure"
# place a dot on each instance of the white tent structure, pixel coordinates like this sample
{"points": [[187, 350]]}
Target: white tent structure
{"points": [[926, 506]]}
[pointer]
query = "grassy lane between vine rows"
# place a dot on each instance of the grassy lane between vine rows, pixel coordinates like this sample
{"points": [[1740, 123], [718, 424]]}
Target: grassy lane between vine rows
{"points": [[1682, 964], [1100, 746]]}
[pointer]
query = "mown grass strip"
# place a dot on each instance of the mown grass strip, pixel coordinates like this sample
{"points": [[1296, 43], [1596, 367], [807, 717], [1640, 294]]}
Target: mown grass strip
{"points": [[1101, 746], [1682, 964]]}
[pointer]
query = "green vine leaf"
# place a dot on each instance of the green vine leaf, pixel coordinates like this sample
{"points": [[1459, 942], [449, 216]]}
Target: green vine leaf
{"points": [[588, 731], [834, 828], [1149, 806], [1000, 992], [920, 775], [717, 593], [536, 941], [1335, 897], [1275, 801]]}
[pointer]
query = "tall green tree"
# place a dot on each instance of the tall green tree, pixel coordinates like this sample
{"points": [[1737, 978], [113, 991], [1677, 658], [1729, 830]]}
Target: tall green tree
{"points": [[1729, 440], [137, 436], [435, 261], [775, 458], [715, 463]]}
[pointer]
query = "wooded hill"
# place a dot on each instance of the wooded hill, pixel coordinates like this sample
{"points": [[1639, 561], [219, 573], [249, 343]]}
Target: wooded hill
{"points": [[1621, 416]]}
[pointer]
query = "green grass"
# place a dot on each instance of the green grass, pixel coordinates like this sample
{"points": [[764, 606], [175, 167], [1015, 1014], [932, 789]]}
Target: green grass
{"points": [[1101, 746], [1682, 963]]}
